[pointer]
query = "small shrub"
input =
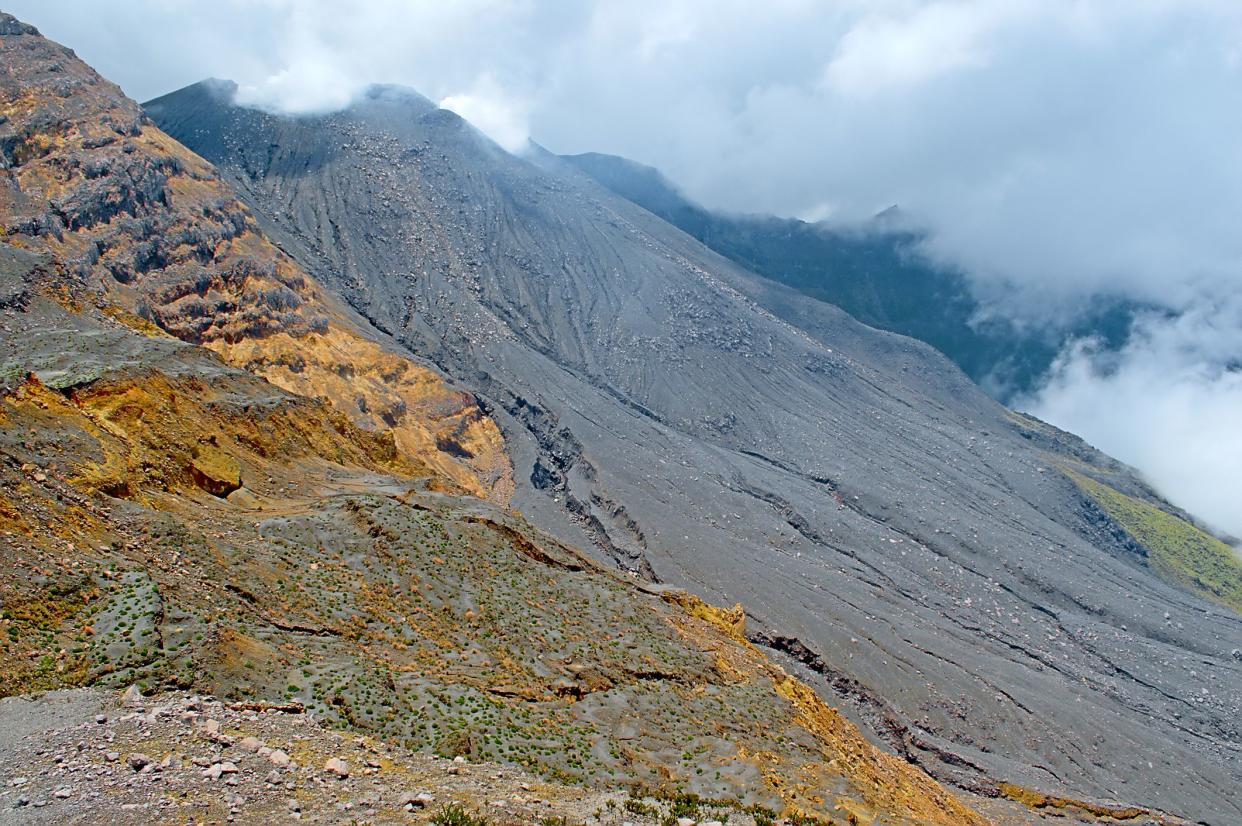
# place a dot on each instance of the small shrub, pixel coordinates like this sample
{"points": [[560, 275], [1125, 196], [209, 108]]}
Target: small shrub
{"points": [[640, 808], [454, 815], [763, 816]]}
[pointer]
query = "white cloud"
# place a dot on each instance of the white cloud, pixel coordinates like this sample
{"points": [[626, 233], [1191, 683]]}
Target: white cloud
{"points": [[497, 113], [1170, 403], [309, 84], [886, 50]]}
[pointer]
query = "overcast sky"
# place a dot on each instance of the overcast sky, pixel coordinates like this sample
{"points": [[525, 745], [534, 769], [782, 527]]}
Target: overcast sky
{"points": [[1058, 149]]}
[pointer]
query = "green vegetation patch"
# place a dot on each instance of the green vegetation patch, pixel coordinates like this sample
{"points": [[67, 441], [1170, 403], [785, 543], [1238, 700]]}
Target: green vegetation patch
{"points": [[667, 808], [455, 815], [1177, 551], [43, 643]]}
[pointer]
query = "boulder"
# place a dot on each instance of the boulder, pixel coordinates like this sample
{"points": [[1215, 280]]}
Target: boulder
{"points": [[215, 471], [132, 698], [415, 800], [243, 497]]}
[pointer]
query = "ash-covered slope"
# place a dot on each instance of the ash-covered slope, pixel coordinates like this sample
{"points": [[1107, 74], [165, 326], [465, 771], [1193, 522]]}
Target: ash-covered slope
{"points": [[874, 272], [883, 522]]}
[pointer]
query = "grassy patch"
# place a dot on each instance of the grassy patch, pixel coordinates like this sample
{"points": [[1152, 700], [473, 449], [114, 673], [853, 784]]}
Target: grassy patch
{"points": [[454, 815], [1177, 551], [668, 807], [35, 629]]}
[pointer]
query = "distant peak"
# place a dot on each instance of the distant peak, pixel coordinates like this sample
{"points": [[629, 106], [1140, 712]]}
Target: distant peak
{"points": [[894, 219], [889, 213], [218, 84], [616, 160], [221, 89], [217, 89], [396, 93], [645, 185]]}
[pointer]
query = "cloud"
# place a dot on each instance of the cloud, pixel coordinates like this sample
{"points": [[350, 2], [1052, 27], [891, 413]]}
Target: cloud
{"points": [[1063, 147], [1169, 403], [311, 83], [1054, 149], [884, 52], [499, 115]]}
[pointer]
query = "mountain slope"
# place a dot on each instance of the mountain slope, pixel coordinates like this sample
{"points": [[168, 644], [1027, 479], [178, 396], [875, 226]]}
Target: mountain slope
{"points": [[342, 584], [146, 223], [875, 273], [173, 521], [905, 541]]}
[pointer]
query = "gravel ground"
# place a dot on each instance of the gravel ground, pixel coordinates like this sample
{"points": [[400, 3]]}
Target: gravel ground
{"points": [[85, 756]]}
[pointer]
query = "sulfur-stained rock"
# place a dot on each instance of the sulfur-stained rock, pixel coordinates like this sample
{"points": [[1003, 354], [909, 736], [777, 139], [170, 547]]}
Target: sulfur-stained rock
{"points": [[167, 245], [243, 497], [215, 471]]}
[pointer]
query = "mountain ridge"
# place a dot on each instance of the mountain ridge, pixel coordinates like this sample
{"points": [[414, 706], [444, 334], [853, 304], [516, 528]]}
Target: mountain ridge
{"points": [[877, 272], [852, 489]]}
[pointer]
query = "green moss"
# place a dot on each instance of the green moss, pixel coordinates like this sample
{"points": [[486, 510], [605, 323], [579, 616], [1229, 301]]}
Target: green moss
{"points": [[1177, 551]]}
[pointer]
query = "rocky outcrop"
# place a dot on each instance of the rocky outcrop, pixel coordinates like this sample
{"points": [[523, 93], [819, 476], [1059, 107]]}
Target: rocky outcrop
{"points": [[149, 227], [215, 471]]}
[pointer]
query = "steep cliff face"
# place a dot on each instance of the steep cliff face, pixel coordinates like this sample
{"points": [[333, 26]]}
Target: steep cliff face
{"points": [[149, 227], [888, 528]]}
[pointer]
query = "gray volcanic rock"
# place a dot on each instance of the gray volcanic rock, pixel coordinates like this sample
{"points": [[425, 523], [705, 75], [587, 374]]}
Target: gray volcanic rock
{"points": [[876, 272], [905, 540]]}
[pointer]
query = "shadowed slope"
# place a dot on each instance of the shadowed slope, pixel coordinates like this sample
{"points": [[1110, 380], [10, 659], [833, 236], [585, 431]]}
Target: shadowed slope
{"points": [[874, 271]]}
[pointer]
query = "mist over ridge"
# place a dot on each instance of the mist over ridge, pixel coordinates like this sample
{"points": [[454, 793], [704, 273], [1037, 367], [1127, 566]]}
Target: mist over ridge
{"points": [[1051, 151]]}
